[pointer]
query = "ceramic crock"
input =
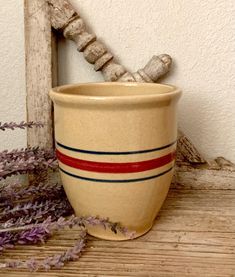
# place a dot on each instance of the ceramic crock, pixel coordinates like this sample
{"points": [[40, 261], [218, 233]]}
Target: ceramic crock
{"points": [[116, 147]]}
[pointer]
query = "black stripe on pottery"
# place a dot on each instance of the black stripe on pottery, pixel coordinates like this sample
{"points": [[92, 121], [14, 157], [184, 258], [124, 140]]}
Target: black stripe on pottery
{"points": [[114, 153], [116, 181]]}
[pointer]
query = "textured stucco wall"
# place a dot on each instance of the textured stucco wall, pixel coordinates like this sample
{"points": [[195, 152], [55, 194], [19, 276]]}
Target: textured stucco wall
{"points": [[200, 37], [12, 71]]}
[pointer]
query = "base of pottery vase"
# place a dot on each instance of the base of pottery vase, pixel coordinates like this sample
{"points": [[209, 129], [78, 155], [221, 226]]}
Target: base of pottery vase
{"points": [[107, 234]]}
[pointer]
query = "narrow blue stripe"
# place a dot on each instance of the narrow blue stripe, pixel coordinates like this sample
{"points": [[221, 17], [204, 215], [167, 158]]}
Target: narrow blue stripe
{"points": [[114, 153], [116, 181]]}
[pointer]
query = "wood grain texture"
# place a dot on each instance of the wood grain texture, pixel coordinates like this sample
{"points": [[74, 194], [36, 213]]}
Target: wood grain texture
{"points": [[193, 235], [61, 12], [38, 51]]}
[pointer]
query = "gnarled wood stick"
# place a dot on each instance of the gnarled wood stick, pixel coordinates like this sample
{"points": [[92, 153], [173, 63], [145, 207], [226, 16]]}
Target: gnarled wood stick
{"points": [[65, 19], [68, 21]]}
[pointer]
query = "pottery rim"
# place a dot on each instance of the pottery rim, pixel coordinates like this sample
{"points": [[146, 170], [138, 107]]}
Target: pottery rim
{"points": [[112, 92]]}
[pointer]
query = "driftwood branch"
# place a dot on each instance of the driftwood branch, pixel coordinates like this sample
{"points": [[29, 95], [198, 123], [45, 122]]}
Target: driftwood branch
{"points": [[66, 20], [187, 151]]}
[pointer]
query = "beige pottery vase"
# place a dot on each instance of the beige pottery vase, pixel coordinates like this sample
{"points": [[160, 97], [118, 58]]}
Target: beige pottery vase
{"points": [[116, 146]]}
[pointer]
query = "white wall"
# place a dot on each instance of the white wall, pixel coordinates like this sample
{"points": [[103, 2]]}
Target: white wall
{"points": [[12, 71], [199, 35]]}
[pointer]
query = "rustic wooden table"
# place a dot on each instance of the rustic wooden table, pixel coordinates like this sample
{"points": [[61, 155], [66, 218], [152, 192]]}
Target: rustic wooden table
{"points": [[194, 235]]}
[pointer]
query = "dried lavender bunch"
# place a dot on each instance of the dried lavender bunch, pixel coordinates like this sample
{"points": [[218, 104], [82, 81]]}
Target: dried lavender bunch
{"points": [[28, 161], [36, 220], [27, 229], [73, 221], [6, 241], [24, 160], [82, 221], [104, 222], [56, 261], [31, 236], [26, 153], [21, 125], [40, 232], [36, 211], [50, 226], [16, 191]]}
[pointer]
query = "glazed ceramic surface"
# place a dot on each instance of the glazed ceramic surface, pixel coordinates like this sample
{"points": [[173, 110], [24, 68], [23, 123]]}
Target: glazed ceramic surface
{"points": [[116, 147]]}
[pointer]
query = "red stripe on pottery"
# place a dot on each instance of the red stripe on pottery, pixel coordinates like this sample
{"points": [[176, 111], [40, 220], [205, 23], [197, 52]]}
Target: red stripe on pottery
{"points": [[104, 167]]}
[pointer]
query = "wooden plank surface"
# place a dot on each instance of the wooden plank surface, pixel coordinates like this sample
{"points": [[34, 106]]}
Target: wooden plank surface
{"points": [[194, 235], [38, 51]]}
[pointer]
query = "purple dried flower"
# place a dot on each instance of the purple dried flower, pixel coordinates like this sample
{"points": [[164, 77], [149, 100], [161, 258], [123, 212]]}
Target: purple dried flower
{"points": [[33, 236], [36, 211], [33, 220], [17, 222], [40, 232], [71, 254], [21, 125], [6, 241], [82, 222], [105, 222], [56, 261], [61, 223], [16, 191], [26, 165], [36, 217], [26, 160], [25, 153]]}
